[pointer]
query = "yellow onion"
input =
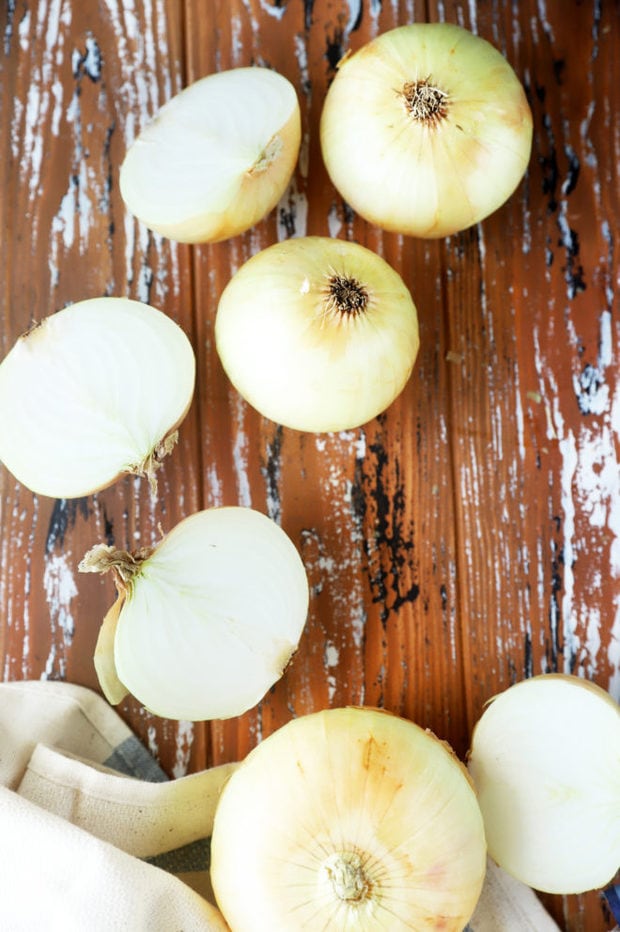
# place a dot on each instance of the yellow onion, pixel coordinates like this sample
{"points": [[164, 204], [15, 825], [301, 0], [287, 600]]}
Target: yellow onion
{"points": [[348, 819], [205, 622], [317, 334], [91, 392], [426, 130], [217, 157], [545, 759]]}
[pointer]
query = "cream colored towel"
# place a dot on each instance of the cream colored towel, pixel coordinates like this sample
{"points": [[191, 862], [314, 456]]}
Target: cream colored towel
{"points": [[95, 838]]}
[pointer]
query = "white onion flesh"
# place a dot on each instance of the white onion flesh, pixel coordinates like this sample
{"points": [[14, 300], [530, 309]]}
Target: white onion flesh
{"points": [[92, 392], [348, 819], [545, 759], [426, 177], [217, 158], [299, 359], [210, 618]]}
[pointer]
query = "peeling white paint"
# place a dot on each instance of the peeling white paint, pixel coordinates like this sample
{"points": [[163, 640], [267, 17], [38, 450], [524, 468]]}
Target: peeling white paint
{"points": [[334, 221], [276, 11], [152, 744], [23, 31], [375, 8], [343, 576], [214, 491], [75, 214], [473, 16], [141, 49], [32, 124], [292, 213], [331, 659], [355, 11], [568, 449], [240, 456], [544, 20], [590, 502], [92, 60], [184, 743], [301, 54], [60, 590], [237, 50]]}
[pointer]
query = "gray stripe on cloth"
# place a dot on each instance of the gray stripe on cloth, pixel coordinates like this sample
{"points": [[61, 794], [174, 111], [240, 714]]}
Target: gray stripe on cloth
{"points": [[131, 758], [196, 856]]}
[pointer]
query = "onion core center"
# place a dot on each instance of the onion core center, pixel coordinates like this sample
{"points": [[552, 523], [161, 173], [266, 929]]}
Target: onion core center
{"points": [[269, 154], [345, 296], [346, 875], [424, 102]]}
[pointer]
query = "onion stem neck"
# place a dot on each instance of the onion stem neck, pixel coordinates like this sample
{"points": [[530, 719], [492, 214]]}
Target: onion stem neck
{"points": [[425, 102], [124, 564], [269, 154], [346, 296], [347, 877], [149, 466]]}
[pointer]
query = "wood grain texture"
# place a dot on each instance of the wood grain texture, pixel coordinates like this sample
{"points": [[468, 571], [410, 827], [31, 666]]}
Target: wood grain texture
{"points": [[465, 539]]}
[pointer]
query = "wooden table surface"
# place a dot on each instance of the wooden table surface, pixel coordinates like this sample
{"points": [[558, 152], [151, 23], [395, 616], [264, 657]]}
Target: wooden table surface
{"points": [[467, 538]]}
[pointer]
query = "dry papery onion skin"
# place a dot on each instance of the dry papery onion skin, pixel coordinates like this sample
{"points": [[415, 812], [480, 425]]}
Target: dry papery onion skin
{"points": [[207, 620], [348, 818], [217, 157], [317, 334], [426, 130], [92, 392], [545, 759]]}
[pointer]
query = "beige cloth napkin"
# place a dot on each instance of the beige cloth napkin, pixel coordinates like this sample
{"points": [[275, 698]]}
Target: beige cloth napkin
{"points": [[507, 905], [95, 838]]}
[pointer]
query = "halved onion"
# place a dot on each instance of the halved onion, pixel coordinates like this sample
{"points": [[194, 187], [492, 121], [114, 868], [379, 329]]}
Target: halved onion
{"points": [[93, 391], [348, 819], [426, 130], [206, 621], [317, 334], [217, 157], [545, 758]]}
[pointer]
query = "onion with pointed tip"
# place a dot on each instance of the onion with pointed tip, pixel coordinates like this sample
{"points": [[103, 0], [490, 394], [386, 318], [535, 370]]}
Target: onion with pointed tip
{"points": [[205, 622]]}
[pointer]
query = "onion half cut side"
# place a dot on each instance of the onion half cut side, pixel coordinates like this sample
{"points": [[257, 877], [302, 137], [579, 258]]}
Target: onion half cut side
{"points": [[217, 157], [92, 392], [545, 759], [206, 621]]}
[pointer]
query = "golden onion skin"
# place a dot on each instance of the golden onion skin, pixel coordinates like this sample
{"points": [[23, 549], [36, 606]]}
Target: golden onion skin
{"points": [[348, 818], [426, 130]]}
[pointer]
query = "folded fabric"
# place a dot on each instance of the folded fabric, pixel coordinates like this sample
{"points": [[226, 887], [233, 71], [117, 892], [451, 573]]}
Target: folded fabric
{"points": [[166, 824], [507, 905], [96, 837], [70, 717], [58, 877]]}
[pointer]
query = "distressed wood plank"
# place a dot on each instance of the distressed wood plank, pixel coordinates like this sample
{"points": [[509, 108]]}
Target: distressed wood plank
{"points": [[463, 540], [534, 423], [78, 81], [362, 506]]}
